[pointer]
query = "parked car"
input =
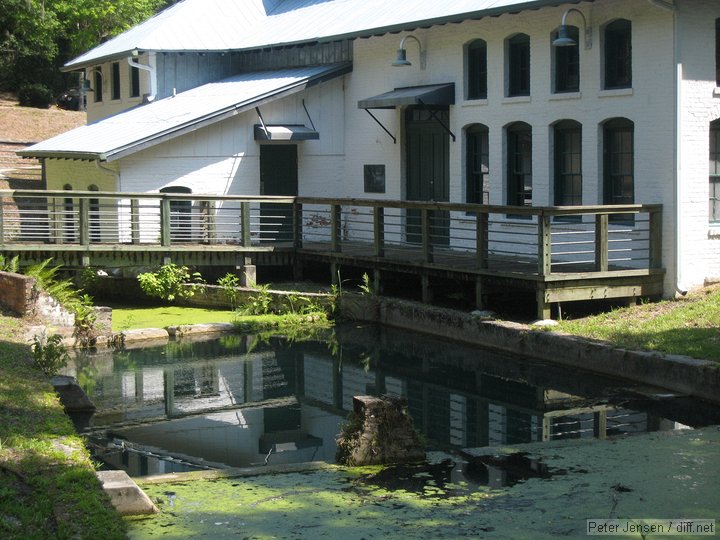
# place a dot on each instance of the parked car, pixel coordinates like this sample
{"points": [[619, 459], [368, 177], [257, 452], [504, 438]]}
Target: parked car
{"points": [[69, 100]]}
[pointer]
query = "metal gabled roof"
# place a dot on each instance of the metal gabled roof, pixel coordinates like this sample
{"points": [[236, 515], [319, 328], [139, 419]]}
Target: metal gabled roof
{"points": [[144, 126], [226, 25]]}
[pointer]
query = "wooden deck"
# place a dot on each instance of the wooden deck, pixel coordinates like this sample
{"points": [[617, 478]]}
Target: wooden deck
{"points": [[556, 254]]}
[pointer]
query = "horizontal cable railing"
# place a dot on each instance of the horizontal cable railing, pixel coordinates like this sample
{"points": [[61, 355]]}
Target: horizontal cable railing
{"points": [[502, 239]]}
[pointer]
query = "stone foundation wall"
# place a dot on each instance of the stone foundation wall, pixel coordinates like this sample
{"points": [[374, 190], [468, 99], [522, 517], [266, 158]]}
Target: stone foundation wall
{"points": [[17, 293]]}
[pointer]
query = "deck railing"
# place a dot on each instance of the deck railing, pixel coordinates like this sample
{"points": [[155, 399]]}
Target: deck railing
{"points": [[528, 240]]}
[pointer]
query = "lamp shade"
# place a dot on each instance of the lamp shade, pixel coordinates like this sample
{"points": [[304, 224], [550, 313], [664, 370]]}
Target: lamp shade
{"points": [[563, 38], [401, 59]]}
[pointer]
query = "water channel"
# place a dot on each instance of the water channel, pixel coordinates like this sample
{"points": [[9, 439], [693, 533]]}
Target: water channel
{"points": [[242, 401]]}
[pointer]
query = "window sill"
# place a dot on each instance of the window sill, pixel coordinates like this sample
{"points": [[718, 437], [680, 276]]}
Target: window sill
{"points": [[617, 92], [475, 102], [716, 92], [565, 95], [714, 231], [516, 99]]}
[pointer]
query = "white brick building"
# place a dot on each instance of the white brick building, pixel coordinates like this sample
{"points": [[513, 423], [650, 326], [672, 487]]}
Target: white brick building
{"points": [[624, 116]]}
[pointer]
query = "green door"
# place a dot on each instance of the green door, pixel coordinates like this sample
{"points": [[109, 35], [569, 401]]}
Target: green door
{"points": [[428, 170], [278, 176]]}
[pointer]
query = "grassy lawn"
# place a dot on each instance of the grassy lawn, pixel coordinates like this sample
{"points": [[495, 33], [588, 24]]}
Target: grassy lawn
{"points": [[689, 326], [48, 487], [132, 318]]}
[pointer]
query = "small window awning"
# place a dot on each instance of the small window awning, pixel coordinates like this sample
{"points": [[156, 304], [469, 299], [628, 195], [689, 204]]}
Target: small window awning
{"points": [[285, 132], [433, 94]]}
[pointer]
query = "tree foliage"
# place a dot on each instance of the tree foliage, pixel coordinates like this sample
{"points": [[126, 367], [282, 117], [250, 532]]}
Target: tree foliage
{"points": [[39, 36]]}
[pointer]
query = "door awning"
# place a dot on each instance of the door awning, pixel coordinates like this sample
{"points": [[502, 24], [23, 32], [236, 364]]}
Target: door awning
{"points": [[433, 94], [285, 132]]}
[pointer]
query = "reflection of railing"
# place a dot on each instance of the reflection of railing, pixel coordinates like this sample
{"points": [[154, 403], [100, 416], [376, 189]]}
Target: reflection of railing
{"points": [[491, 239]]}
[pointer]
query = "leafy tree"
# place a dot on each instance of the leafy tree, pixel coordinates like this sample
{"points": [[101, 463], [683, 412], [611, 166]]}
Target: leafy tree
{"points": [[38, 36]]}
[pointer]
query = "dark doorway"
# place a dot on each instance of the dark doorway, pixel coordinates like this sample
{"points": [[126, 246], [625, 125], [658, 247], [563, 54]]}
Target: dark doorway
{"points": [[278, 176], [428, 169]]}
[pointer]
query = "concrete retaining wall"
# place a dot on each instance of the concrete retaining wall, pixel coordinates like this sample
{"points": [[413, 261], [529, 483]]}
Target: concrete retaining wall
{"points": [[700, 378]]}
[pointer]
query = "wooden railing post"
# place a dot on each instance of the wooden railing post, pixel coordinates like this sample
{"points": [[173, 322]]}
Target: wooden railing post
{"points": [[335, 227], [544, 245], [655, 238], [481, 239], [379, 231], [210, 232], [164, 222], [297, 224], [135, 221], [84, 219], [426, 239], [245, 224], [602, 255]]}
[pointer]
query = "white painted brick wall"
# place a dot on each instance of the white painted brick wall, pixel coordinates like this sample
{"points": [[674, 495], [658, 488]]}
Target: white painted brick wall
{"points": [[225, 159]]}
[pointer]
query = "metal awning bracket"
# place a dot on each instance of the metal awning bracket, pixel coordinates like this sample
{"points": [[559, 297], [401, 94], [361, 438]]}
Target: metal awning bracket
{"points": [[433, 115], [262, 122], [308, 115], [382, 126]]}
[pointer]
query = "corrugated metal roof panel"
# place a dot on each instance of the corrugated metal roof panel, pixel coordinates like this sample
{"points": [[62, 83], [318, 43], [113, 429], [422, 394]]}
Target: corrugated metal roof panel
{"points": [[221, 25], [144, 126]]}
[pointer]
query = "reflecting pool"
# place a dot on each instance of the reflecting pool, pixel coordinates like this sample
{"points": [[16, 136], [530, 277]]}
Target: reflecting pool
{"points": [[240, 401]]}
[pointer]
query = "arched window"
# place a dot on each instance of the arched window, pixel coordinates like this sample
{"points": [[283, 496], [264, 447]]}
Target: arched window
{"points": [[180, 215], [618, 54], [567, 63], [715, 172], [518, 65], [477, 164], [97, 84], [519, 164], [567, 163], [618, 161], [476, 69]]}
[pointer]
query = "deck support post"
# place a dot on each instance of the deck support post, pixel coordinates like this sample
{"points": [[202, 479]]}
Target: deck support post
{"points": [[544, 245], [297, 225], [426, 237], [481, 239], [425, 288], [84, 222], [601, 243], [208, 213], [335, 227], [600, 425], [655, 238], [135, 221], [543, 307], [164, 222], [245, 224], [379, 231], [334, 278], [247, 271], [377, 284], [479, 293]]}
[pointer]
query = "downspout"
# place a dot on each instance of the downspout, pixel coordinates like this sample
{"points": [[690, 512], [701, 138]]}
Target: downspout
{"points": [[132, 60], [108, 170]]}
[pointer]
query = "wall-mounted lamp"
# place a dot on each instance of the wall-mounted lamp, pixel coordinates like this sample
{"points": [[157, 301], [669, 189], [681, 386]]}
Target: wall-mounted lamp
{"points": [[563, 38], [86, 85], [402, 60]]}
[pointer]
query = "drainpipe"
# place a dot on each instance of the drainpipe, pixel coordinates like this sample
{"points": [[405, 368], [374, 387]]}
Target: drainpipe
{"points": [[132, 60], [108, 170], [664, 4]]}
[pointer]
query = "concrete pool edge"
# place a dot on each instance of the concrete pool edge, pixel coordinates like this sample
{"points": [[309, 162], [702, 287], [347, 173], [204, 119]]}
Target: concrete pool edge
{"points": [[698, 378]]}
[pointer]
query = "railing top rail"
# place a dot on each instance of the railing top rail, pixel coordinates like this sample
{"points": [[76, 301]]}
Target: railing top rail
{"points": [[528, 211]]}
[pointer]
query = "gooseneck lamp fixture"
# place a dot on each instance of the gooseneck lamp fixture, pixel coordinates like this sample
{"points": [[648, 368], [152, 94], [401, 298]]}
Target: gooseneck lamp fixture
{"points": [[563, 38], [402, 60]]}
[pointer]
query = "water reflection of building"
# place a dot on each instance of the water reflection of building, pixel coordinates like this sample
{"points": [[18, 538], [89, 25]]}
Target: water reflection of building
{"points": [[242, 403]]}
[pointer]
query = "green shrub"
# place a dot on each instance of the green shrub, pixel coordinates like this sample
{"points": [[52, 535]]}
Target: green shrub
{"points": [[170, 282], [229, 283], [49, 354], [35, 95]]}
